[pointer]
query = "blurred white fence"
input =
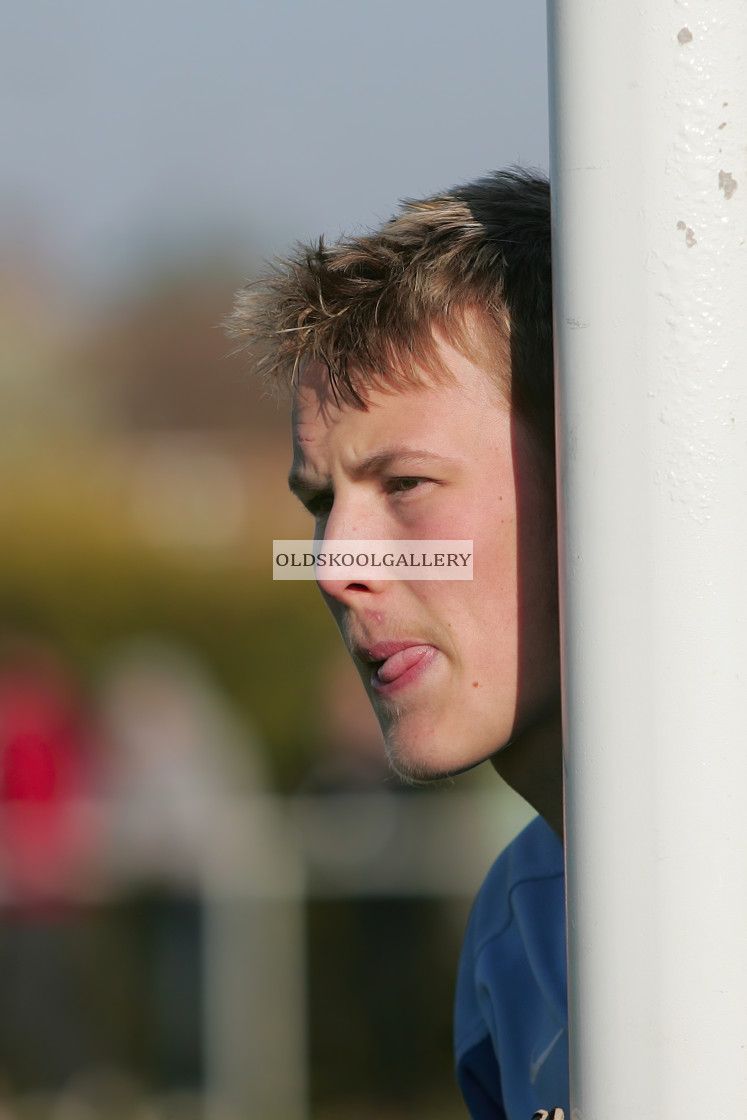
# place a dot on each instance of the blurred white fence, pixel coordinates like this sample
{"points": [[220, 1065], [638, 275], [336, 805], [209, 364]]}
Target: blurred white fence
{"points": [[254, 863]]}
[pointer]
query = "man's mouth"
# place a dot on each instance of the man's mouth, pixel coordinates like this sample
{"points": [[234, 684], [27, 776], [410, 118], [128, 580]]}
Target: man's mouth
{"points": [[395, 664]]}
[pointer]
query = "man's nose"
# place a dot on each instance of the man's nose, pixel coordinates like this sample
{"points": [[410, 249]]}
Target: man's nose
{"points": [[350, 521], [350, 518]]}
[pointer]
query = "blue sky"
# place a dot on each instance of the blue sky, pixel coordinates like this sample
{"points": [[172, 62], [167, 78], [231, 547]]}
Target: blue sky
{"points": [[136, 129]]}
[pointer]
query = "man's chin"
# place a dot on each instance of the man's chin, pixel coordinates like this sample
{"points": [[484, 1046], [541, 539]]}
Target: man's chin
{"points": [[420, 766]]}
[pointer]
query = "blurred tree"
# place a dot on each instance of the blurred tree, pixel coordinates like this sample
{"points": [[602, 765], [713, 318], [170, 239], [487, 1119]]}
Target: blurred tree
{"points": [[168, 363], [153, 510]]}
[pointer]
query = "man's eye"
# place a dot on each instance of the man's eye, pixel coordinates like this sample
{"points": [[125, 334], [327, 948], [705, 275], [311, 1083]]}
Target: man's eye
{"points": [[402, 485]]}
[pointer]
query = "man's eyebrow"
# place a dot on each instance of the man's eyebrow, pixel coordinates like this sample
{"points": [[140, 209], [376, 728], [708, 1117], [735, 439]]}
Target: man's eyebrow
{"points": [[405, 455], [299, 482]]}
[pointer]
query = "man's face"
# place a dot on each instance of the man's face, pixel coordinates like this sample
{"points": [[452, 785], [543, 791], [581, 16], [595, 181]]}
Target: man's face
{"points": [[441, 461]]}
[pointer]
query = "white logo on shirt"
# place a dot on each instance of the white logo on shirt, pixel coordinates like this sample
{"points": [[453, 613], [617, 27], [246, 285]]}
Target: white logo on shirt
{"points": [[536, 1064]]}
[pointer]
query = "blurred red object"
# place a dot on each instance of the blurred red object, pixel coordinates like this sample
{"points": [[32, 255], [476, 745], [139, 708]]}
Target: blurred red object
{"points": [[46, 773]]}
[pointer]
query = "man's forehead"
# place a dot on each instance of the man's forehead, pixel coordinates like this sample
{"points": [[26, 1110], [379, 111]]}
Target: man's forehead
{"points": [[390, 425], [313, 379], [314, 401]]}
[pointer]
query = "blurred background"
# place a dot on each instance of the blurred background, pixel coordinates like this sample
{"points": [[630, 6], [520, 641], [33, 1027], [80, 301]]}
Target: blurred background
{"points": [[214, 899]]}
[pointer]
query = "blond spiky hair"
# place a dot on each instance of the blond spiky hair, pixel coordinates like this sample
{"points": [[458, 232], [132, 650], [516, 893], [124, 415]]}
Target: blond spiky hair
{"points": [[366, 306]]}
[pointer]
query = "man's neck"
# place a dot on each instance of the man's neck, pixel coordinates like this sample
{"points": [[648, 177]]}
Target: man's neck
{"points": [[532, 765]]}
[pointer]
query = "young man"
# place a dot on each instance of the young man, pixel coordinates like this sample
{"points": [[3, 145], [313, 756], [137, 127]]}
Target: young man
{"points": [[420, 361]]}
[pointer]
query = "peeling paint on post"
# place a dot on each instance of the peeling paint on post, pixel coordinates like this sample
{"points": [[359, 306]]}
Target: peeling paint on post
{"points": [[727, 183], [649, 119]]}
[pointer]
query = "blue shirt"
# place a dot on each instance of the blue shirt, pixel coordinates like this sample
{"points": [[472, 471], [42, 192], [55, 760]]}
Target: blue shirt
{"points": [[511, 1016]]}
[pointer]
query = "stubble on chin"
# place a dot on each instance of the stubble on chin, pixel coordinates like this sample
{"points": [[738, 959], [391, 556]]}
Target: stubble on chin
{"points": [[408, 772], [402, 765], [410, 765]]}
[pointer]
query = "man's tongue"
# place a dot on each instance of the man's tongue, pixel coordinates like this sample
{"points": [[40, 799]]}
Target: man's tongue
{"points": [[400, 662]]}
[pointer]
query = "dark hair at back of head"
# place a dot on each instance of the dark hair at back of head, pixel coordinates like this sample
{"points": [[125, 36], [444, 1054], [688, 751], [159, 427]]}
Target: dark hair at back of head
{"points": [[513, 209]]}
